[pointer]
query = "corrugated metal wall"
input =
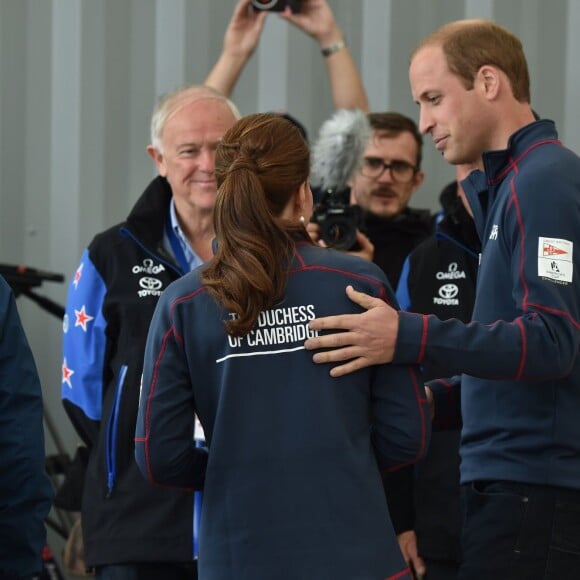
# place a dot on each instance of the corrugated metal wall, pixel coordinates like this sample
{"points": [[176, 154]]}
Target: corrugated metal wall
{"points": [[78, 80]]}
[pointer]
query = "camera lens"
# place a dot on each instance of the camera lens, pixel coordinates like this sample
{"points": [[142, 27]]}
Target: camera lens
{"points": [[264, 4], [339, 233]]}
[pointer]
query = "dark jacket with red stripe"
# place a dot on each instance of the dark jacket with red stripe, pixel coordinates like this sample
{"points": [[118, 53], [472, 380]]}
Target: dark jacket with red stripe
{"points": [[520, 393], [292, 489]]}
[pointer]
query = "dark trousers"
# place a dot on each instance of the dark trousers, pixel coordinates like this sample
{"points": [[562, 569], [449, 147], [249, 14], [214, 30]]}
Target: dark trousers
{"points": [[516, 531], [148, 571]]}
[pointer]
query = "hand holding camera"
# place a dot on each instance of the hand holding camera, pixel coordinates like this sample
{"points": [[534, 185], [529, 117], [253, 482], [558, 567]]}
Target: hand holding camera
{"points": [[277, 5], [316, 19], [336, 155]]}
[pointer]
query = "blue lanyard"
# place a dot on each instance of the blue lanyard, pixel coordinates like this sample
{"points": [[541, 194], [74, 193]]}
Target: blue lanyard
{"points": [[176, 247]]}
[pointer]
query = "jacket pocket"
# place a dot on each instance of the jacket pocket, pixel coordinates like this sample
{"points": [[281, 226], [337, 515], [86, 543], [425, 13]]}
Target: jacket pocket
{"points": [[112, 434]]}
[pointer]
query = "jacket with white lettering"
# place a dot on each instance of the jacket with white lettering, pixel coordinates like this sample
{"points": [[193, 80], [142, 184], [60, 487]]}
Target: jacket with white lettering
{"points": [[110, 303], [521, 388], [292, 489], [438, 276]]}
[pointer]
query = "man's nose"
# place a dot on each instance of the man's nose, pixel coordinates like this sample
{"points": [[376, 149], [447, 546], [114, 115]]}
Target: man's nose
{"points": [[425, 121], [207, 160], [386, 176]]}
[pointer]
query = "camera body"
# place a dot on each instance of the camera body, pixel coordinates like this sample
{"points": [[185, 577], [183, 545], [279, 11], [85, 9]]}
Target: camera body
{"points": [[277, 5], [338, 219]]}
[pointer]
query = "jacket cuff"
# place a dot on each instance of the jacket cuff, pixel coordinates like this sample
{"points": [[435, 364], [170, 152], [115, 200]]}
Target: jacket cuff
{"points": [[398, 486], [411, 338], [447, 400]]}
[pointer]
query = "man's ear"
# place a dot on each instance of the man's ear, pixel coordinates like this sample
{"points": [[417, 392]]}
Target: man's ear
{"points": [[418, 180], [157, 159], [489, 79]]}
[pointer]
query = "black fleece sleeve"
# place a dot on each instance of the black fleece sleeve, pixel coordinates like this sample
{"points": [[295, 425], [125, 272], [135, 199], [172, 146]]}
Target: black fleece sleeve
{"points": [[399, 492]]}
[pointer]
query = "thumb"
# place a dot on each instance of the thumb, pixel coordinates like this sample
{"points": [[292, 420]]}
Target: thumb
{"points": [[363, 240], [363, 299]]}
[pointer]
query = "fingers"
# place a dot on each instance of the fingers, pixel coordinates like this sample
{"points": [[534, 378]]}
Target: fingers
{"points": [[364, 240], [408, 544], [353, 355], [241, 10], [287, 14], [337, 355], [313, 231], [345, 321], [302, 20], [367, 249], [416, 561], [419, 566], [349, 367], [363, 299], [339, 322], [337, 340]]}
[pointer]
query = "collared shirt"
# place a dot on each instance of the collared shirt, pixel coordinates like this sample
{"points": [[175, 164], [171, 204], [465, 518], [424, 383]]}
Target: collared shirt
{"points": [[177, 244]]}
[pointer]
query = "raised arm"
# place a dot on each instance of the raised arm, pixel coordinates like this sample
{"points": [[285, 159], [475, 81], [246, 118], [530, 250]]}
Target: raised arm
{"points": [[240, 41], [317, 20]]}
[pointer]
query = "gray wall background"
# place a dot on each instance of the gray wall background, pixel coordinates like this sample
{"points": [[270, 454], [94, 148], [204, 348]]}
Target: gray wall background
{"points": [[79, 78]]}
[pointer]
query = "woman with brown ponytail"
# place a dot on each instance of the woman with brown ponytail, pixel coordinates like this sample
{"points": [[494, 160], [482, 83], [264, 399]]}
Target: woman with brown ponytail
{"points": [[291, 475]]}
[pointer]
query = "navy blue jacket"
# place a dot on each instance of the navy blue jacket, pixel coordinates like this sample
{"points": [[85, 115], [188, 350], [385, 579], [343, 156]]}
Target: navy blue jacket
{"points": [[520, 393], [292, 489], [25, 489]]}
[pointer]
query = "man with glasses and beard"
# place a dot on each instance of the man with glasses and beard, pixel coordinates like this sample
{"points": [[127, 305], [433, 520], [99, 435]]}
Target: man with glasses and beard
{"points": [[389, 175]]}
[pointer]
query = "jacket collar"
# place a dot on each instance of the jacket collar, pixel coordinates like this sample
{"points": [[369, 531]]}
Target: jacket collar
{"points": [[498, 164], [480, 188], [147, 218]]}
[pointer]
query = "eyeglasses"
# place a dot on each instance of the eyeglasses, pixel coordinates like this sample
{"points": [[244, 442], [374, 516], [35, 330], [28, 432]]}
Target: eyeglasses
{"points": [[401, 171]]}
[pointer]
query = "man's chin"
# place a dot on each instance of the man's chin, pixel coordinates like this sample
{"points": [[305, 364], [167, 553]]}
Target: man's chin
{"points": [[453, 157], [385, 211], [204, 195], [205, 189]]}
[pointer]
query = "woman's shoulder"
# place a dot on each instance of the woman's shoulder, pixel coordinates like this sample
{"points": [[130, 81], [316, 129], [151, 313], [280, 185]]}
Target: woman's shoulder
{"points": [[344, 263], [187, 286]]}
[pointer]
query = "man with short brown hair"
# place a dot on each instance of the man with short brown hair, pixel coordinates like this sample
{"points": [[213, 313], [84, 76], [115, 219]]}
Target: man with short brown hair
{"points": [[520, 387]]}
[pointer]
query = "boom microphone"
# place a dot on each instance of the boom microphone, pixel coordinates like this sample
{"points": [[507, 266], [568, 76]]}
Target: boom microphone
{"points": [[336, 156], [339, 151]]}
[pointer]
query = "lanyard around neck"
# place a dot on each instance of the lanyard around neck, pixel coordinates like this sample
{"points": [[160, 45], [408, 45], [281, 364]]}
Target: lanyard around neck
{"points": [[177, 248]]}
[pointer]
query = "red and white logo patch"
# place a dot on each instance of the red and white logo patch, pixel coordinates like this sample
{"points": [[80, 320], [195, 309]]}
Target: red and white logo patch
{"points": [[551, 250], [555, 259]]}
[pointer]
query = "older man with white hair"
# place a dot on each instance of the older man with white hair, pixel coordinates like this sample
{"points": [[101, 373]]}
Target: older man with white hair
{"points": [[132, 530]]}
